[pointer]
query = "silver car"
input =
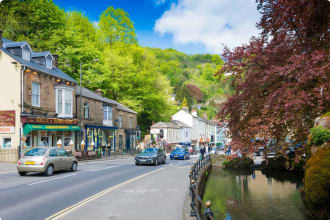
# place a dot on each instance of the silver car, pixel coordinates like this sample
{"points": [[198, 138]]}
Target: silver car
{"points": [[46, 160]]}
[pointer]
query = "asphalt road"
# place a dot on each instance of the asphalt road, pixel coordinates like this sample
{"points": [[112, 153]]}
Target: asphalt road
{"points": [[38, 197]]}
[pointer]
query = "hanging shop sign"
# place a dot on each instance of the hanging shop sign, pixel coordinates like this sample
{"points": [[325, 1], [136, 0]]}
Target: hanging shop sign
{"points": [[59, 121], [7, 122]]}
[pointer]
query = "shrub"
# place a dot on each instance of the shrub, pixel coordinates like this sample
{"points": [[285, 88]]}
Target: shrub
{"points": [[319, 135], [317, 183]]}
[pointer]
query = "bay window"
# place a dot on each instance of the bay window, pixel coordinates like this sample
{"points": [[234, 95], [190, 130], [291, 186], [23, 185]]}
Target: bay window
{"points": [[64, 101]]}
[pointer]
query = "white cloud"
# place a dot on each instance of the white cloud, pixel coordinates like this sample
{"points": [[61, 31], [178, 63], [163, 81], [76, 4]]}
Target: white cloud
{"points": [[213, 23]]}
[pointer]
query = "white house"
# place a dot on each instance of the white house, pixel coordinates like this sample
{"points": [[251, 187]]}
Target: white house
{"points": [[166, 131]]}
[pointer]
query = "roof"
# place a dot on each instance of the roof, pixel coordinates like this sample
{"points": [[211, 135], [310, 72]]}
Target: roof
{"points": [[40, 54], [181, 124], [89, 94], [33, 64], [165, 125]]}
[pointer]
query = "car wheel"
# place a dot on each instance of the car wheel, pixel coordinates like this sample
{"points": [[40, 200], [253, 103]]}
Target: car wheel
{"points": [[49, 170], [74, 167], [22, 173], [156, 162]]}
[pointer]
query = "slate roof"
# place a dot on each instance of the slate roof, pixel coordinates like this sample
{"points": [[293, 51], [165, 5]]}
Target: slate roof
{"points": [[165, 125], [181, 124], [89, 94], [33, 64], [40, 54]]}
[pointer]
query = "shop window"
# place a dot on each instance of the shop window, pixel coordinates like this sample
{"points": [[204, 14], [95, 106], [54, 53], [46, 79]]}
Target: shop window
{"points": [[44, 142], [64, 101], [35, 94], [86, 110], [6, 142]]}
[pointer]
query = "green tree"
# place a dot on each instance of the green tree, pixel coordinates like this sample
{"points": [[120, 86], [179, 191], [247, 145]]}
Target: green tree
{"points": [[115, 26]]}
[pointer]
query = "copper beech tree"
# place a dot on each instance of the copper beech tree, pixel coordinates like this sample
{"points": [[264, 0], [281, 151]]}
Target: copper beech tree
{"points": [[282, 77]]}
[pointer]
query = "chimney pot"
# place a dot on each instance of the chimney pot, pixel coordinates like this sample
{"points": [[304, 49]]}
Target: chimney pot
{"points": [[99, 92]]}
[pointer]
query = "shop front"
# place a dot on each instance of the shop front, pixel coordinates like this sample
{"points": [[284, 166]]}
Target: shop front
{"points": [[100, 137], [50, 132], [131, 138]]}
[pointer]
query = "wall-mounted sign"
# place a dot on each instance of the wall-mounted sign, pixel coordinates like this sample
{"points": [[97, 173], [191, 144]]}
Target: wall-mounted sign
{"points": [[7, 122], [49, 121]]}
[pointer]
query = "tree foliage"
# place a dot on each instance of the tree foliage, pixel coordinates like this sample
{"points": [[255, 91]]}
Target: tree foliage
{"points": [[281, 77]]}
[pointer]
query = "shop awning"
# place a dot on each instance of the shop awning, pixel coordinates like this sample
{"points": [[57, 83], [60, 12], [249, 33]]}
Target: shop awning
{"points": [[38, 127]]}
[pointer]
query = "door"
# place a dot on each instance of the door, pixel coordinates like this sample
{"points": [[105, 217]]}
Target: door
{"points": [[64, 159], [54, 159]]}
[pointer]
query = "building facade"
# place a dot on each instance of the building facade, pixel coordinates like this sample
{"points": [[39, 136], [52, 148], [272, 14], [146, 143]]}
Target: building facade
{"points": [[39, 109]]}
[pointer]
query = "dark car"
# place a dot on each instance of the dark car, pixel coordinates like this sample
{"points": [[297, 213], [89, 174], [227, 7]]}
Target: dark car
{"points": [[153, 156], [180, 153]]}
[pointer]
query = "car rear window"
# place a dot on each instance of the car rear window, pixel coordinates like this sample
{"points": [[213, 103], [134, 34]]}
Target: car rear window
{"points": [[36, 152]]}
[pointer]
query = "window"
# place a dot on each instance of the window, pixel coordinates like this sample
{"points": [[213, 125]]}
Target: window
{"points": [[107, 110], [49, 62], [120, 141], [120, 118], [86, 110], [26, 53], [36, 94], [64, 102], [53, 153], [62, 153], [6, 142], [130, 122]]}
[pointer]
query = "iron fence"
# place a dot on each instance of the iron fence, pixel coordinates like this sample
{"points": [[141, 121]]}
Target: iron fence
{"points": [[196, 200]]}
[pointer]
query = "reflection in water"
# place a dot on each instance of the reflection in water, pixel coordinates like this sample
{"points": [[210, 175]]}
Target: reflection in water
{"points": [[253, 196]]}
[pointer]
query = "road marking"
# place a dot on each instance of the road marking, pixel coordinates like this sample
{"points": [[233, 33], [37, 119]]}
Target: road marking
{"points": [[43, 181], [104, 168], [103, 161], [89, 199], [7, 172]]}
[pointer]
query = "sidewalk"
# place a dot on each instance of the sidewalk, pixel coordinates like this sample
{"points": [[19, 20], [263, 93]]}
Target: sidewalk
{"points": [[7, 167]]}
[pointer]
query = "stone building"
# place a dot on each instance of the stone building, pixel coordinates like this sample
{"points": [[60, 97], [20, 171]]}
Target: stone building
{"points": [[37, 106]]}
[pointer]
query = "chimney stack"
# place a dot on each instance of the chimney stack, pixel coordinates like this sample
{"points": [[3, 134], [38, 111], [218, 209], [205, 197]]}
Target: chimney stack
{"points": [[1, 42], [99, 92], [55, 60]]}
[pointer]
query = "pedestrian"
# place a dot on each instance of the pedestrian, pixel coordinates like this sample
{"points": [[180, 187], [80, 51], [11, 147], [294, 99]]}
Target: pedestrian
{"points": [[109, 149], [103, 150], [202, 152]]}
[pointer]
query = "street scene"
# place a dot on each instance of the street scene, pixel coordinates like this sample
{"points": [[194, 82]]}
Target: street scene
{"points": [[164, 109]]}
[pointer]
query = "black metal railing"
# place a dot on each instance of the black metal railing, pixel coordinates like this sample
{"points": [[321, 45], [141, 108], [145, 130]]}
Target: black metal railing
{"points": [[196, 200]]}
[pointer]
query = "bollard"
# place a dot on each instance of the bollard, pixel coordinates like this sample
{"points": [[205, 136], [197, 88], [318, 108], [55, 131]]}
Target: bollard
{"points": [[193, 203], [208, 212]]}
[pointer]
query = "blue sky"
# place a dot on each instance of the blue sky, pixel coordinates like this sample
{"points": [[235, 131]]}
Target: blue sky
{"points": [[190, 26]]}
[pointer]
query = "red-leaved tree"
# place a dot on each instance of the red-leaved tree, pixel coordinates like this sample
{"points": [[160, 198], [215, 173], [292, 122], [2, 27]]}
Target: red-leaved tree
{"points": [[195, 92], [282, 77]]}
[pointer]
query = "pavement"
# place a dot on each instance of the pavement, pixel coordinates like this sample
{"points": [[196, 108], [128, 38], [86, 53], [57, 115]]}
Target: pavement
{"points": [[105, 189]]}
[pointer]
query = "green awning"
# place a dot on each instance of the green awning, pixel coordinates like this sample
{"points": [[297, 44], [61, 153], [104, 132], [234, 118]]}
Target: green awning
{"points": [[37, 127]]}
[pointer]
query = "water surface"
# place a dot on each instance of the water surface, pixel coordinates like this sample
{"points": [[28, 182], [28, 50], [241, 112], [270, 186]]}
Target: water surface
{"points": [[254, 195]]}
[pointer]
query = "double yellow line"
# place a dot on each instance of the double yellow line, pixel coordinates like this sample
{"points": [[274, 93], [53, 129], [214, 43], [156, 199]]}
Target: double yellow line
{"points": [[85, 201]]}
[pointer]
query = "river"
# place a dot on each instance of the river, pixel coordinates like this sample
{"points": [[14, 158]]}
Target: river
{"points": [[254, 196]]}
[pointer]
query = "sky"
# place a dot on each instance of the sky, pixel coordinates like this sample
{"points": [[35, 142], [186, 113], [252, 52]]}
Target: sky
{"points": [[189, 26]]}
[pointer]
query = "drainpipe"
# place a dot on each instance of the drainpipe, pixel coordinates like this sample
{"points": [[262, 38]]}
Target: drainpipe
{"points": [[22, 109]]}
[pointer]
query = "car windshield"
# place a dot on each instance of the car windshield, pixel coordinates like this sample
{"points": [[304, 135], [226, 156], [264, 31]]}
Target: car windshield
{"points": [[36, 152], [149, 150], [179, 150]]}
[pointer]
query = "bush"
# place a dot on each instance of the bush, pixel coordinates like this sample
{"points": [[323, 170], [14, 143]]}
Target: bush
{"points": [[319, 135], [317, 184], [239, 163]]}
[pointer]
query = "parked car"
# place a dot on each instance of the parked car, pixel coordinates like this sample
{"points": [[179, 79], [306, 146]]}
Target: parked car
{"points": [[153, 156], [180, 153], [46, 160]]}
